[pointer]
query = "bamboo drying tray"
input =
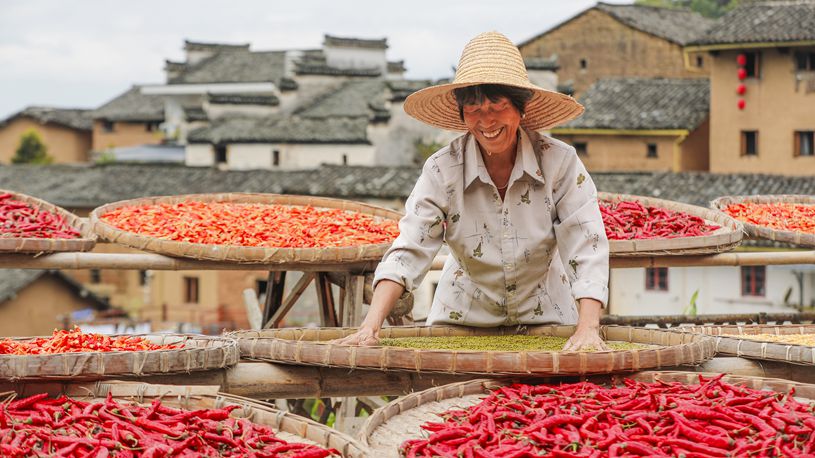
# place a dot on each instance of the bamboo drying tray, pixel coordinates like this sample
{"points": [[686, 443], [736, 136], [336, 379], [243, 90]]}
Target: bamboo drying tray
{"points": [[287, 426], [330, 255], [86, 242], [310, 346], [198, 353], [728, 342], [763, 232], [390, 425], [727, 237]]}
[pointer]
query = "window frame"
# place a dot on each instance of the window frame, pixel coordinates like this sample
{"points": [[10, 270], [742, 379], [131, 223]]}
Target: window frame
{"points": [[581, 148], [192, 290], [108, 126], [744, 143], [798, 136], [648, 147], [654, 277], [276, 158], [753, 281], [753, 65]]}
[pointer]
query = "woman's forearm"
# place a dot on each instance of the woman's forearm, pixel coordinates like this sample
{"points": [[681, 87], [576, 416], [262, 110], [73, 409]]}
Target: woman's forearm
{"points": [[589, 311], [386, 293]]}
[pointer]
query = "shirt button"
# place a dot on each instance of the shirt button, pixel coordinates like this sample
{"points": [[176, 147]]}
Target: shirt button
{"points": [[508, 267]]}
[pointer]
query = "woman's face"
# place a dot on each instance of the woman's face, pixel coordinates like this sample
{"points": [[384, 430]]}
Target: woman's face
{"points": [[494, 124]]}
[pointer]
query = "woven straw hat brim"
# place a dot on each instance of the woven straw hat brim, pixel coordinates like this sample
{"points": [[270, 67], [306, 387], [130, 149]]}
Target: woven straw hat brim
{"points": [[436, 105]]}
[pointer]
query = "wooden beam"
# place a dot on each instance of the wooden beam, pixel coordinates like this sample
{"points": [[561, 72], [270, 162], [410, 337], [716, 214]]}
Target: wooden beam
{"points": [[291, 299]]}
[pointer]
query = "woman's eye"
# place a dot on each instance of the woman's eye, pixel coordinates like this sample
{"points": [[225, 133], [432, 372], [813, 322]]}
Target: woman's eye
{"points": [[471, 109]]}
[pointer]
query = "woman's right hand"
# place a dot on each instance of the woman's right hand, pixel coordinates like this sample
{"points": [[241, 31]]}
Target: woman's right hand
{"points": [[364, 336]]}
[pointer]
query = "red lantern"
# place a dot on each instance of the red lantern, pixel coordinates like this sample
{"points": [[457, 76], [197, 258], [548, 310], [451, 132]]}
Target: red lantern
{"points": [[741, 89], [741, 104], [741, 59], [742, 74]]}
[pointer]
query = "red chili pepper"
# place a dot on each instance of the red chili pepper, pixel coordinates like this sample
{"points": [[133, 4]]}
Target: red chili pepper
{"points": [[626, 220], [777, 215]]}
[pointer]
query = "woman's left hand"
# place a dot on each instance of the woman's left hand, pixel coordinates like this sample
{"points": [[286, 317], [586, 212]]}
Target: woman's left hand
{"points": [[585, 338]]}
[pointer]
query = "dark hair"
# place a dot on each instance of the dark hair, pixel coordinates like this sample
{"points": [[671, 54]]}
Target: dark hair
{"points": [[474, 95]]}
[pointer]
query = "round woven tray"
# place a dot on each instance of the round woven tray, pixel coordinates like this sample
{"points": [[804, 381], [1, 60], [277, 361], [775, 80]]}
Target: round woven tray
{"points": [[723, 239], [311, 347], [38, 245], [728, 342], [400, 420], [199, 353], [241, 253], [763, 232], [287, 426]]}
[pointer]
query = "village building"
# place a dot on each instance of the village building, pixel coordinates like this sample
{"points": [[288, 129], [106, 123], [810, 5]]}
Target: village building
{"points": [[128, 120], [612, 40], [762, 85], [35, 302], [642, 124], [65, 132]]}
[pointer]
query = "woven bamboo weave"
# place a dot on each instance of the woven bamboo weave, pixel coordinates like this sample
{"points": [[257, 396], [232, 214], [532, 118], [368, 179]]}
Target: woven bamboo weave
{"points": [[287, 426], [400, 420], [198, 353], [727, 237], [311, 346], [37, 245], [728, 341], [244, 254], [763, 232]]}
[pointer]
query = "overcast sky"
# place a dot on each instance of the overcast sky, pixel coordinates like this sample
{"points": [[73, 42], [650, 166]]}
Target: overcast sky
{"points": [[82, 53]]}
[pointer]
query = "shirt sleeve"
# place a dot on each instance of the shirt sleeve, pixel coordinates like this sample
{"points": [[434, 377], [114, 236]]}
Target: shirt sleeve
{"points": [[581, 235], [421, 232]]}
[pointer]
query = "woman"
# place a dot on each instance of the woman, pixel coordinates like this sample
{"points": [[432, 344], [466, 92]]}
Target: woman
{"points": [[517, 209]]}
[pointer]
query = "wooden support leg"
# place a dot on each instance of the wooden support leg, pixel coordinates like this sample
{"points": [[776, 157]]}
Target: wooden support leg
{"points": [[288, 304], [328, 314], [352, 307], [274, 294]]}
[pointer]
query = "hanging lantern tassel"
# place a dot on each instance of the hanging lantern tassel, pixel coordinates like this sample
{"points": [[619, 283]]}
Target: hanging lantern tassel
{"points": [[741, 59], [741, 104], [741, 89]]}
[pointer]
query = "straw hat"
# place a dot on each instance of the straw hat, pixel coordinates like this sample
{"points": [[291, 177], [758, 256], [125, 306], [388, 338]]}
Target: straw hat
{"points": [[491, 58]]}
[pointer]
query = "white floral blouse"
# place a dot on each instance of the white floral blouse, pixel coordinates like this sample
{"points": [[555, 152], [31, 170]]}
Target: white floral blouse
{"points": [[523, 260]]}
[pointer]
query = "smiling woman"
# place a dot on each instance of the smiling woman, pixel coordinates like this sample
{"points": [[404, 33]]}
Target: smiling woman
{"points": [[517, 209]]}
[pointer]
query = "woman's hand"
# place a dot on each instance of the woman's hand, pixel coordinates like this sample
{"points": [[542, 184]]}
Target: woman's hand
{"points": [[364, 336], [587, 333]]}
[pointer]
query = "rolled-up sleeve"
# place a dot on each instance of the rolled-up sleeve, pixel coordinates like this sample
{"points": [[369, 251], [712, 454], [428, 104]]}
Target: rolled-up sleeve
{"points": [[421, 232], [581, 236]]}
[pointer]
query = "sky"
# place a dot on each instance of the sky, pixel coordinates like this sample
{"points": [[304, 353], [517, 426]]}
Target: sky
{"points": [[82, 53]]}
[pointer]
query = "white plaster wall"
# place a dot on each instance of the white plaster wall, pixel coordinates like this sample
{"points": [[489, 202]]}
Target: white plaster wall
{"points": [[394, 141], [249, 156], [199, 155], [719, 291], [356, 58], [544, 79], [309, 156], [219, 110]]}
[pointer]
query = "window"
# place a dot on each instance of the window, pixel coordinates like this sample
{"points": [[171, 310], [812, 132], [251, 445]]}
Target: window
{"points": [[96, 276], [107, 126], [753, 280], [749, 143], [276, 158], [656, 279], [344, 159], [700, 61], [220, 154], [142, 277], [804, 143], [805, 61], [582, 148], [753, 65], [151, 126], [583, 64], [652, 151], [191, 290]]}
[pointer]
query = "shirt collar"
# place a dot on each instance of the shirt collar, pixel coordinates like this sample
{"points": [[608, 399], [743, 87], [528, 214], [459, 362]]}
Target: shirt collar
{"points": [[474, 166]]}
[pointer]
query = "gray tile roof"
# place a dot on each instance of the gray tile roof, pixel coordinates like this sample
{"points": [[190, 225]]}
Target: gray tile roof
{"points": [[75, 118], [400, 89], [541, 63], [330, 40], [755, 22], [679, 26], [91, 186], [353, 99], [195, 114], [12, 281], [204, 46], [235, 66], [132, 105], [396, 66], [289, 129], [244, 99], [644, 103]]}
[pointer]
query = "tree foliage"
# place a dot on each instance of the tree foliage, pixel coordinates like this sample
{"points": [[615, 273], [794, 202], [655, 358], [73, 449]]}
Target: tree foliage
{"points": [[31, 150], [707, 8]]}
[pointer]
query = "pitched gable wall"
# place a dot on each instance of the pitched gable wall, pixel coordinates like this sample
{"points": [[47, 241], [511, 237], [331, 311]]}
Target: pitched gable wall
{"points": [[65, 145], [610, 48]]}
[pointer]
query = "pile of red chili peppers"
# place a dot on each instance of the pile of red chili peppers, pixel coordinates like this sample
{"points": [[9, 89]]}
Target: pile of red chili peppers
{"points": [[781, 216], [75, 340], [64, 427], [254, 225], [660, 419], [22, 220], [626, 220]]}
